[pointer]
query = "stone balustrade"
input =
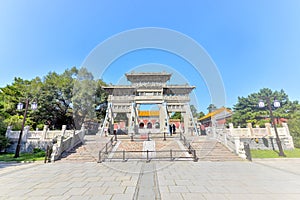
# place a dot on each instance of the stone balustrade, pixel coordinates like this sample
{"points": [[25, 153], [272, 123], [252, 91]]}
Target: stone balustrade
{"points": [[66, 144], [40, 139], [257, 138]]}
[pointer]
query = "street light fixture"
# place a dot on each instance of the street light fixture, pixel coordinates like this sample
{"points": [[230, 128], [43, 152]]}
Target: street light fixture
{"points": [[20, 107], [276, 104]]}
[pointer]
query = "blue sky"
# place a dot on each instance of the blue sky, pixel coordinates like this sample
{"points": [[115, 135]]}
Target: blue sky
{"points": [[254, 44]]}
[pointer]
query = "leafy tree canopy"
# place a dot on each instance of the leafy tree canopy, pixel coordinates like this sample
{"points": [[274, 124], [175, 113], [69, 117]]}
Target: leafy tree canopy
{"points": [[59, 97], [247, 110], [211, 108]]}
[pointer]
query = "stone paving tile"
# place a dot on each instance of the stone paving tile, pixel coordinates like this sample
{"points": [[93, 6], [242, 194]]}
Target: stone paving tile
{"points": [[122, 197], [77, 191], [60, 184], [58, 197], [115, 190], [171, 196], [130, 189], [77, 184], [39, 192], [95, 191], [217, 189], [111, 183], [128, 183], [57, 192], [164, 189], [178, 189], [246, 196], [213, 196], [123, 178], [197, 188], [100, 196], [37, 197], [78, 197], [182, 182], [163, 182], [189, 196], [94, 184]]}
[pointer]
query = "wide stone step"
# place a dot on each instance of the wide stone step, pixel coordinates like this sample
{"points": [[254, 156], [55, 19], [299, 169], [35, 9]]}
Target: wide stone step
{"points": [[211, 150], [87, 152]]}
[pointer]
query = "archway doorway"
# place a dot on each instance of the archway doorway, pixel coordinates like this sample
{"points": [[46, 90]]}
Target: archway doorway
{"points": [[141, 125], [149, 125], [156, 125]]}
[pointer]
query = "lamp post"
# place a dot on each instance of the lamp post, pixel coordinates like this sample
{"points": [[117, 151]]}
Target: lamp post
{"points": [[20, 107], [276, 104]]}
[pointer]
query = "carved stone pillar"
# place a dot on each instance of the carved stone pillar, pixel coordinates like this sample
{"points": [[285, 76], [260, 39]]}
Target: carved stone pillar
{"points": [[250, 130], [45, 129], [268, 128]]}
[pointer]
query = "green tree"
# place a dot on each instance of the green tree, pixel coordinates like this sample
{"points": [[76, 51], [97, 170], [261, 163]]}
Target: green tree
{"points": [[294, 122], [201, 114], [194, 111], [176, 115], [101, 99], [247, 111], [11, 95], [84, 97], [55, 99], [211, 107], [57, 95]]}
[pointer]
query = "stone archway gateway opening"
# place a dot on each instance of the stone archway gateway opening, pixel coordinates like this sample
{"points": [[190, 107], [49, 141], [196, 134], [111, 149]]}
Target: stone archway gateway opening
{"points": [[149, 125], [142, 125], [148, 88]]}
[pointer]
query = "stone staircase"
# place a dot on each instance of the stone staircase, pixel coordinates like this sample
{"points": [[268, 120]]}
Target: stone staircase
{"points": [[207, 149], [212, 150], [87, 152]]}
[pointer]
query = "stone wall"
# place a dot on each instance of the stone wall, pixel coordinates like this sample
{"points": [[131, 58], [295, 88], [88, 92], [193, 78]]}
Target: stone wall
{"points": [[35, 139], [268, 143]]}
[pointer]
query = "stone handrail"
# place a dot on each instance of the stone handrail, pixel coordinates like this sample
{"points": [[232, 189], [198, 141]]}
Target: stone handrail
{"points": [[45, 134], [232, 142], [65, 145]]}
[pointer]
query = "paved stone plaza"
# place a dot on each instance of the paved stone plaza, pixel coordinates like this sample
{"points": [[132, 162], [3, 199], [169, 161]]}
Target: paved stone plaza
{"points": [[261, 179]]}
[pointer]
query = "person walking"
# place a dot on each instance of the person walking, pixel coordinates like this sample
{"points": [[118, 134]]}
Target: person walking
{"points": [[170, 129], [174, 128]]}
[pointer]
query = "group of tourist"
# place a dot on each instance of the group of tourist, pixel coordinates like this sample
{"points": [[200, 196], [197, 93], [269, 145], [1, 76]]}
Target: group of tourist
{"points": [[172, 129]]}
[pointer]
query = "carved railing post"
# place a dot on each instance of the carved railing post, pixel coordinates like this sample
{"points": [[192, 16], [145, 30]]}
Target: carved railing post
{"points": [[8, 131], [25, 133], [45, 129]]}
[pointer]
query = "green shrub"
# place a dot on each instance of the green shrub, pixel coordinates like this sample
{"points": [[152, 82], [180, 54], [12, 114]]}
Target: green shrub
{"points": [[296, 142], [40, 126], [4, 143], [38, 152]]}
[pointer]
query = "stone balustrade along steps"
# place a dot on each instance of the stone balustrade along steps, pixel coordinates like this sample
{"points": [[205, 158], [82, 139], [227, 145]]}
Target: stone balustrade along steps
{"points": [[206, 150], [87, 152], [212, 150]]}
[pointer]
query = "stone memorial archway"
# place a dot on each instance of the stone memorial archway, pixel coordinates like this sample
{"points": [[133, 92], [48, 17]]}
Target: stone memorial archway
{"points": [[149, 88]]}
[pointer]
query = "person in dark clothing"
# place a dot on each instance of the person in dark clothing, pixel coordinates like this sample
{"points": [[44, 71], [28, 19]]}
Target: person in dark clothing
{"points": [[174, 128], [170, 129]]}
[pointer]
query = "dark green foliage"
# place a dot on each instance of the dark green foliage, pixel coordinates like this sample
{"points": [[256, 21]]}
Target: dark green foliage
{"points": [[38, 152], [194, 111], [211, 108], [2, 127], [177, 115], [54, 94], [247, 111], [201, 114], [4, 143], [294, 126]]}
